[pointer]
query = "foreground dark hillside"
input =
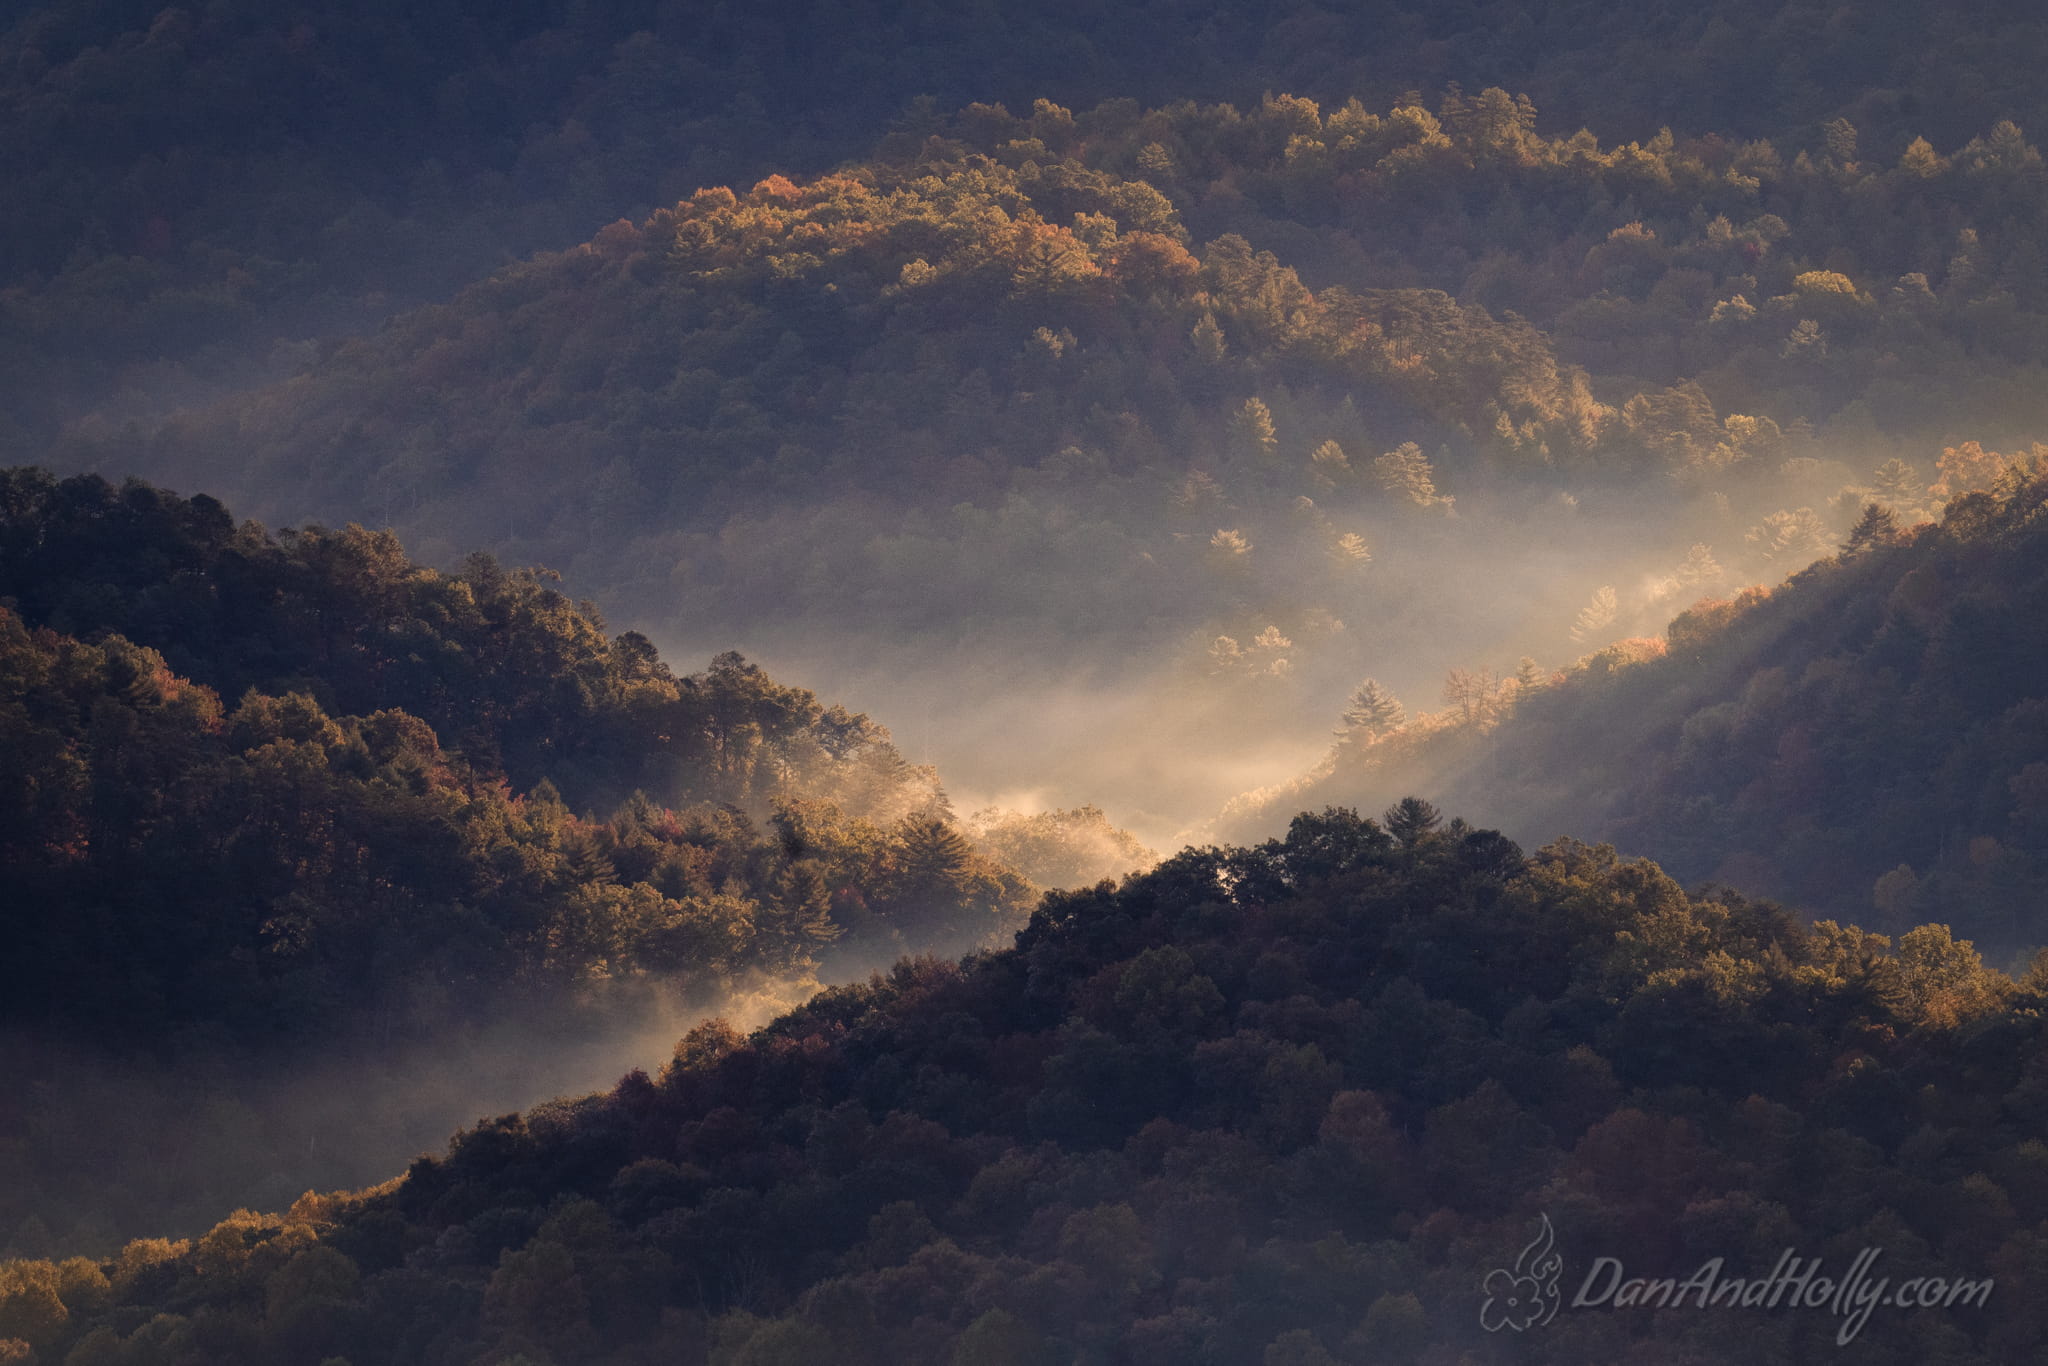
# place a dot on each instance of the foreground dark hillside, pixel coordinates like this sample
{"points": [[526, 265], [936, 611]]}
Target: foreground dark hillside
{"points": [[1869, 740], [1286, 1104]]}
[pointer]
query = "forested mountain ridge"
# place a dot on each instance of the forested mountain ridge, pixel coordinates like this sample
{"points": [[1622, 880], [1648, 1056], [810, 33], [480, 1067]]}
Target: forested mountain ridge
{"points": [[201, 188], [279, 871], [921, 382], [944, 331], [283, 797], [173, 676], [732, 351], [937, 399], [1097, 395], [1865, 741], [1288, 1103], [525, 682], [1793, 281]]}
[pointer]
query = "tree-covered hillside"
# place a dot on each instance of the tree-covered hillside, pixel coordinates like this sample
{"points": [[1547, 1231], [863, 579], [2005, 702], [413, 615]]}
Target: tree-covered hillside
{"points": [[1621, 421], [1319, 391], [1866, 741], [350, 769], [1287, 1104], [274, 797], [525, 682], [999, 330], [197, 189]]}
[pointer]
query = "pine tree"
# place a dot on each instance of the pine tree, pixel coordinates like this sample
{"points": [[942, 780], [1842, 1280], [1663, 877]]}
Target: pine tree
{"points": [[933, 857], [1373, 711], [585, 860], [1877, 526], [1409, 819], [1700, 567], [1350, 549], [1790, 535], [1251, 430], [1898, 485], [1921, 161], [1229, 546], [1199, 495], [1595, 617], [1406, 470], [1225, 655], [806, 903], [1840, 137]]}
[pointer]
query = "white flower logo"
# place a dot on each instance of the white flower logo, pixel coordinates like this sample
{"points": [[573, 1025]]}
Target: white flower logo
{"points": [[1525, 1297]]}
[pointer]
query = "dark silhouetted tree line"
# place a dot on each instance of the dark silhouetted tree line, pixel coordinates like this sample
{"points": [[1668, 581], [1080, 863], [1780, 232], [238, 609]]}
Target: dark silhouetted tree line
{"points": [[1288, 1103]]}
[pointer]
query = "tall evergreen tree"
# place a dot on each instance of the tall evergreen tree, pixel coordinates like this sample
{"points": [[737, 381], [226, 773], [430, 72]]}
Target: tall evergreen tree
{"points": [[1410, 819], [934, 863], [1877, 526], [1406, 470], [1595, 617], [1373, 711], [1251, 429]]}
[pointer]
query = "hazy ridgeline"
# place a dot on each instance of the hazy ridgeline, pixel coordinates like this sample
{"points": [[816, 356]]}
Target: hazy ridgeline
{"points": [[1864, 742], [1641, 448], [439, 810], [1041, 408], [111, 1145], [203, 192]]}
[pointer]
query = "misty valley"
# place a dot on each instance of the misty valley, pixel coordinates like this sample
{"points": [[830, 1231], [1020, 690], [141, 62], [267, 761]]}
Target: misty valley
{"points": [[864, 684]]}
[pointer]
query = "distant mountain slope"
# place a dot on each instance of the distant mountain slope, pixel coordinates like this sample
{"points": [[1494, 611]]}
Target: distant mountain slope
{"points": [[1018, 295], [812, 359], [1320, 391], [921, 384], [1288, 1104], [195, 184], [1868, 741], [927, 408]]}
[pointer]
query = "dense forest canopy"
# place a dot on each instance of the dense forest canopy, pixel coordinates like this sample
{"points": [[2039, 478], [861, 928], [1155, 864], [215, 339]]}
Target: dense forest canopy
{"points": [[199, 188], [1286, 1104], [805, 339], [524, 681], [1867, 740], [938, 397], [268, 793], [1619, 422]]}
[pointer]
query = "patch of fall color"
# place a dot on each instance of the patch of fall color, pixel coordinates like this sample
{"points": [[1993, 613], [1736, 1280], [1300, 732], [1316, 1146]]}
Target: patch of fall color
{"points": [[1707, 618]]}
